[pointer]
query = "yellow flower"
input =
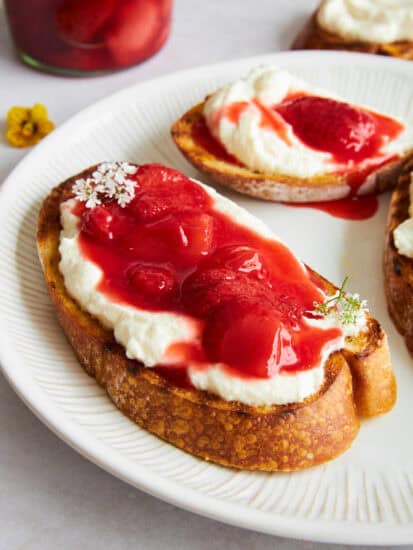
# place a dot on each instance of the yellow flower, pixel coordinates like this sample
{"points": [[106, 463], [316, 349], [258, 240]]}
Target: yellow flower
{"points": [[27, 126]]}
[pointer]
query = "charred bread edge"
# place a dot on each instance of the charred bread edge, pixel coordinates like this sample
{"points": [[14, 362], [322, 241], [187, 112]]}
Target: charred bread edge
{"points": [[398, 269]]}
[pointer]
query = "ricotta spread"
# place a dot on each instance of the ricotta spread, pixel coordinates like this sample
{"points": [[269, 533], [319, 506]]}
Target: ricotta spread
{"points": [[374, 21], [147, 335], [262, 149], [403, 234]]}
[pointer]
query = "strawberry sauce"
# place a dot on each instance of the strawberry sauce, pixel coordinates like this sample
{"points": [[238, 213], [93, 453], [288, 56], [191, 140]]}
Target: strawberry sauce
{"points": [[354, 137], [171, 250]]}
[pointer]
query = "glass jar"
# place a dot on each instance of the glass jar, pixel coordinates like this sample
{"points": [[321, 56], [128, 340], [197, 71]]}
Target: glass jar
{"points": [[78, 37]]}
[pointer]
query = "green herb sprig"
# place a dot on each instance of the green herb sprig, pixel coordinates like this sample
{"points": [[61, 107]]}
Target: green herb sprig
{"points": [[341, 306]]}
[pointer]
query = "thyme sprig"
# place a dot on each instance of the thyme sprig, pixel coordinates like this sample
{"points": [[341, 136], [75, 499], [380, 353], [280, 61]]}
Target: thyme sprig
{"points": [[343, 307]]}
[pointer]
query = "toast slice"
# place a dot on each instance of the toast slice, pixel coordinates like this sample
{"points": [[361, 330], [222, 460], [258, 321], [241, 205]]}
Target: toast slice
{"points": [[398, 269], [358, 381], [314, 37], [273, 187]]}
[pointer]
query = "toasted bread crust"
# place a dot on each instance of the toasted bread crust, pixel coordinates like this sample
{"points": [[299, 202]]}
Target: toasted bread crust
{"points": [[398, 269], [288, 437], [314, 37], [374, 384], [274, 187]]}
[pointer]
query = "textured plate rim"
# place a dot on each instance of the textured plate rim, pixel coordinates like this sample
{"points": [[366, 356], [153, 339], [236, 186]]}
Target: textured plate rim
{"points": [[112, 461]]}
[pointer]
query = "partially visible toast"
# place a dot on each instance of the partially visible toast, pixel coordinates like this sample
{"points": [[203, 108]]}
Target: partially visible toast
{"points": [[273, 187], [314, 37], [358, 382], [398, 269]]}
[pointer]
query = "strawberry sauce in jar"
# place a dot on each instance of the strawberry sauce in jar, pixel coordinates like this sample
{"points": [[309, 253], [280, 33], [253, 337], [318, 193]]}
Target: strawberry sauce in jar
{"points": [[75, 37]]}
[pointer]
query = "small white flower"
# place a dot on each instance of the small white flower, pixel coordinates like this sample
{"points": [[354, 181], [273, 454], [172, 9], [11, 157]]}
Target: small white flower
{"points": [[109, 188], [129, 186], [109, 180], [342, 307], [93, 201], [97, 175], [83, 188], [123, 199], [119, 176], [108, 167], [128, 168]]}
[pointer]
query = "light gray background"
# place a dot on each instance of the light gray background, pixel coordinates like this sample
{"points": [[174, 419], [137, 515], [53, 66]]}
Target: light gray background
{"points": [[50, 497]]}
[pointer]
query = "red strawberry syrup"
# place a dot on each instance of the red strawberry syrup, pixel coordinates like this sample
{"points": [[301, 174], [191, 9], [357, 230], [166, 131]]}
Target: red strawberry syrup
{"points": [[353, 136], [171, 250]]}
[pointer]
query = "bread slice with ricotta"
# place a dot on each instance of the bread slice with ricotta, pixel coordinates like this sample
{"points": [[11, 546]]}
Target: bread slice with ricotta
{"points": [[358, 381], [274, 136], [315, 37], [273, 187], [398, 258]]}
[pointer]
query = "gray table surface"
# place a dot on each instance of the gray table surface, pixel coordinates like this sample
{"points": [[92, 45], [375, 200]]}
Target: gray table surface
{"points": [[51, 497]]}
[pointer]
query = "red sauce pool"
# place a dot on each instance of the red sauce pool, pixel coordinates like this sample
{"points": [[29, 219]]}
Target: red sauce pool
{"points": [[354, 208], [171, 250]]}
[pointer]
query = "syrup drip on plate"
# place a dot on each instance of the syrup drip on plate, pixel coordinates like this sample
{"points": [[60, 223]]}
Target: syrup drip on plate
{"points": [[355, 208]]}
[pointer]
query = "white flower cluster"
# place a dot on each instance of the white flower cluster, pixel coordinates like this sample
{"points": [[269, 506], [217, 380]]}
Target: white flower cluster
{"points": [[342, 307], [109, 180]]}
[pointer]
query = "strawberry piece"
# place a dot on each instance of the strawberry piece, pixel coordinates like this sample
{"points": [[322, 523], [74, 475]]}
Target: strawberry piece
{"points": [[189, 235], [250, 338], [244, 259], [81, 20], [345, 131], [195, 234], [104, 223], [208, 289], [133, 30], [213, 286], [97, 222], [152, 282], [155, 200]]}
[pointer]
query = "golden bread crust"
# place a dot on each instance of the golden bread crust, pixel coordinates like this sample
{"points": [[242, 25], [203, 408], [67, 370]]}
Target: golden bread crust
{"points": [[374, 383], [288, 437], [398, 269], [314, 37], [273, 187]]}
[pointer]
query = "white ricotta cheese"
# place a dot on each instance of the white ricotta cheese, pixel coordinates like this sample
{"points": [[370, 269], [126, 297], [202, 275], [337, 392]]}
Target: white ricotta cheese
{"points": [[146, 335], [280, 390], [368, 20], [262, 149]]}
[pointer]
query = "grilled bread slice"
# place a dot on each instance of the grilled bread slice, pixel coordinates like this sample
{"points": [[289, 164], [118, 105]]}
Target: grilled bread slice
{"points": [[398, 269], [273, 187], [314, 37], [359, 381]]}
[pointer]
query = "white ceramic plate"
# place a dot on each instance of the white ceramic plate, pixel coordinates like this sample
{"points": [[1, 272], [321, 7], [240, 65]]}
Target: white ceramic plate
{"points": [[366, 495]]}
